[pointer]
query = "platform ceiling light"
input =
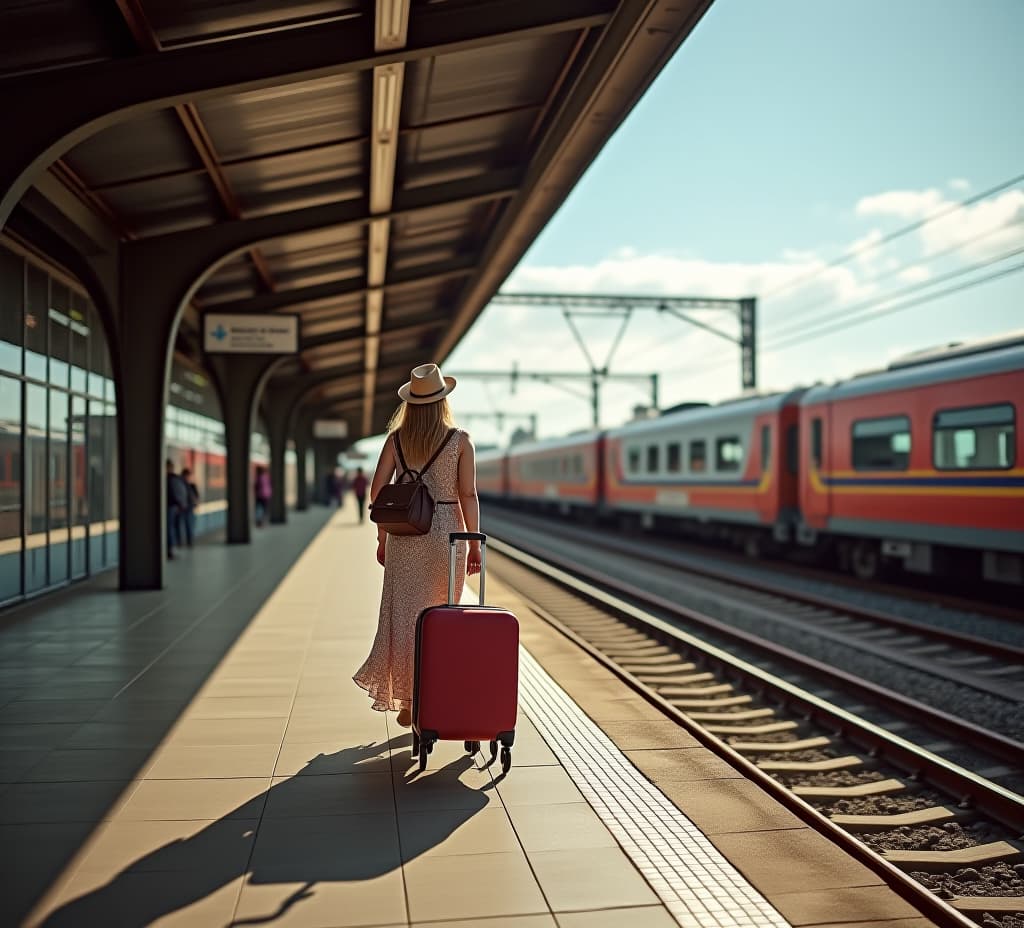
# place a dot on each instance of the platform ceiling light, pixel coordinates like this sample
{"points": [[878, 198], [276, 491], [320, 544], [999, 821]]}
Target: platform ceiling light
{"points": [[391, 24], [378, 259], [387, 105]]}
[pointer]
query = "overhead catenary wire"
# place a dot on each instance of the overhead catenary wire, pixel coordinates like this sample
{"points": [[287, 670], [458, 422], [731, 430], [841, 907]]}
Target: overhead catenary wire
{"points": [[866, 247], [790, 323], [879, 309], [906, 304], [910, 289]]}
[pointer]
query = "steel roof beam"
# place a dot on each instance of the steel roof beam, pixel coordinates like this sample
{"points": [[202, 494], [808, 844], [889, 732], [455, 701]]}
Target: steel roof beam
{"points": [[54, 110], [293, 299], [200, 251]]}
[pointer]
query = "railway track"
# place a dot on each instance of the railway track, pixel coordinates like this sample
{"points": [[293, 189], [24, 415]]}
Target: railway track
{"points": [[972, 661], [897, 804]]}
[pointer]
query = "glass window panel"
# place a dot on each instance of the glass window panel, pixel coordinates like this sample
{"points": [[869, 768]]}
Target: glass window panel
{"points": [[35, 481], [96, 445], [674, 464], [60, 333], [816, 442], [59, 487], [653, 458], [978, 438], [698, 456], [37, 298], [766, 447], [12, 286], [728, 453], [79, 342], [97, 353], [633, 465], [882, 444], [78, 481], [10, 488]]}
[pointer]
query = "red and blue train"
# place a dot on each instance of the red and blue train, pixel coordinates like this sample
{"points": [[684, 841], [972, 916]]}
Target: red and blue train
{"points": [[919, 464]]}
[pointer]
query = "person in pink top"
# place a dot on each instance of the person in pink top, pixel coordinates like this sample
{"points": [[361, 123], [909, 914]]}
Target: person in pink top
{"points": [[359, 487], [261, 490]]}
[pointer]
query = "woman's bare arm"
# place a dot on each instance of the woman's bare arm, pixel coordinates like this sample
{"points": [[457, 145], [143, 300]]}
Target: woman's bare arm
{"points": [[467, 486], [469, 502], [382, 476]]}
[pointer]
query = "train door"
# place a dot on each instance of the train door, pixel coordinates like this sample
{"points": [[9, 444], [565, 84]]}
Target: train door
{"points": [[814, 463], [599, 476]]}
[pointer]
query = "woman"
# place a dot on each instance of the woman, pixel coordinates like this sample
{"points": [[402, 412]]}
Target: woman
{"points": [[262, 492], [416, 566]]}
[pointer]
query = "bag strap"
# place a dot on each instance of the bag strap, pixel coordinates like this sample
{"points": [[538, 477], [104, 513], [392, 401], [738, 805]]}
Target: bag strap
{"points": [[419, 473]]}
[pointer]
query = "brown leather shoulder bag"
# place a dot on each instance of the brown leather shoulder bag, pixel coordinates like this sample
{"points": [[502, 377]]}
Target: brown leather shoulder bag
{"points": [[406, 506]]}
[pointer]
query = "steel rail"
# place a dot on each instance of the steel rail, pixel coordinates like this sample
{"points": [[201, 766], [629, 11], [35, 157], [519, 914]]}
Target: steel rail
{"points": [[995, 649], [970, 788], [900, 882]]}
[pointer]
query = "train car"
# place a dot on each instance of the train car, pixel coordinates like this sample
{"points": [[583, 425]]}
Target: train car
{"points": [[492, 473], [563, 474], [920, 464], [727, 470]]}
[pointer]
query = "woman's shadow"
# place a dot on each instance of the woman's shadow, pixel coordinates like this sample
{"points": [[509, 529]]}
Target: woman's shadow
{"points": [[294, 843]]}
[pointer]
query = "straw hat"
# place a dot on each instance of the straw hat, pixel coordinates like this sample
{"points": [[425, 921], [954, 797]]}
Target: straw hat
{"points": [[426, 385]]}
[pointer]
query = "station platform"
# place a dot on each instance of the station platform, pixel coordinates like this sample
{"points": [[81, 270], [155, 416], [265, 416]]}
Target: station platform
{"points": [[200, 756]]}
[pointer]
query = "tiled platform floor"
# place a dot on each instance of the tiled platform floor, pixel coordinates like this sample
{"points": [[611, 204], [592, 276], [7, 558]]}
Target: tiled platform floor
{"points": [[200, 757]]}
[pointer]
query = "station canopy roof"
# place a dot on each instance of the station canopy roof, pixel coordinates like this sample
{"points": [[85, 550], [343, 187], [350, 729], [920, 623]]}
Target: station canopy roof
{"points": [[454, 128]]}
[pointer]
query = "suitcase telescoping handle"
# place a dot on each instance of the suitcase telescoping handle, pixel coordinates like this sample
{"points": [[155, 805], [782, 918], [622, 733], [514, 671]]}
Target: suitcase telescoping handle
{"points": [[465, 536]]}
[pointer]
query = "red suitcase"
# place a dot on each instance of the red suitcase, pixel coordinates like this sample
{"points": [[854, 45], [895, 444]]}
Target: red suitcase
{"points": [[466, 679]]}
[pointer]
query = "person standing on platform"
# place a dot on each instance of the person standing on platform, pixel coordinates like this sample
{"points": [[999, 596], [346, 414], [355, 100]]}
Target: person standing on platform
{"points": [[341, 475], [262, 491], [177, 501], [416, 566], [188, 517], [359, 485]]}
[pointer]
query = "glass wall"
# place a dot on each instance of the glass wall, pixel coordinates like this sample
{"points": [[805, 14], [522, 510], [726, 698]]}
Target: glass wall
{"points": [[58, 440]]}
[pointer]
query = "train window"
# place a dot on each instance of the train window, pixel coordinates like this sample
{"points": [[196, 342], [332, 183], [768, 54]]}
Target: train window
{"points": [[766, 447], [728, 453], [698, 456], [976, 438], [653, 459], [881, 444], [816, 442], [674, 455], [12, 288], [577, 465], [792, 448], [633, 460]]}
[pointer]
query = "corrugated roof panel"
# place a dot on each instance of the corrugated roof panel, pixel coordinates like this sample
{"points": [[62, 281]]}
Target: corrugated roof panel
{"points": [[183, 21], [147, 146], [38, 35], [167, 205], [482, 80], [289, 117]]}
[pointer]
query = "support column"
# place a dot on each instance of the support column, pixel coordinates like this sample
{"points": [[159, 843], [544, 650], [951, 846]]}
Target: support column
{"points": [[277, 411], [302, 436], [240, 380], [150, 300]]}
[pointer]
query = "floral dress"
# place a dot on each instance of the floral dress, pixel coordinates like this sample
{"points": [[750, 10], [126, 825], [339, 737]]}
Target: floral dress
{"points": [[415, 577]]}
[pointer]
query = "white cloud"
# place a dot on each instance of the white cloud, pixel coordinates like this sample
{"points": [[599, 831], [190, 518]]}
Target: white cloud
{"points": [[916, 274], [905, 204], [959, 185]]}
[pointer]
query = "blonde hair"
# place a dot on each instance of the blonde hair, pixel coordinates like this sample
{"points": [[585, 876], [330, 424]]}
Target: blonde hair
{"points": [[422, 427]]}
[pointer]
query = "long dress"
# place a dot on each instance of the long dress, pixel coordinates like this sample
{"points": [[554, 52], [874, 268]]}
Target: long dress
{"points": [[415, 576]]}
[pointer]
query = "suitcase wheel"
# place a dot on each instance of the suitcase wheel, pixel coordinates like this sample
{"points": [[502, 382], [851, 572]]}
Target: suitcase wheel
{"points": [[471, 747], [494, 750], [426, 747], [506, 759]]}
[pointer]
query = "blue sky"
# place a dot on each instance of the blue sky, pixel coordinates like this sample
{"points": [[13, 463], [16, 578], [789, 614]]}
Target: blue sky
{"points": [[780, 135]]}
